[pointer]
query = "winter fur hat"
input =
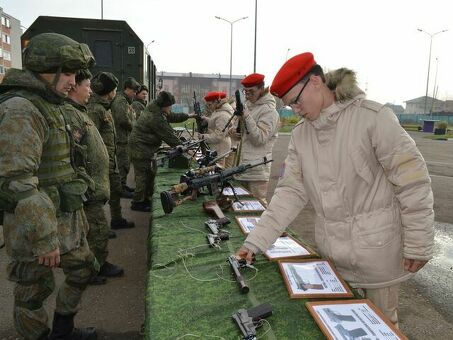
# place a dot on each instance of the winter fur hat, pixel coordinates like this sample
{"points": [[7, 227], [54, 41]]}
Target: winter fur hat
{"points": [[103, 83], [82, 75], [165, 99], [131, 83]]}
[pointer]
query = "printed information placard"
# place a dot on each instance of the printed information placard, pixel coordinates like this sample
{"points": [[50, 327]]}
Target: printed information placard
{"points": [[313, 279], [353, 319], [287, 247], [247, 223], [239, 192], [248, 206]]}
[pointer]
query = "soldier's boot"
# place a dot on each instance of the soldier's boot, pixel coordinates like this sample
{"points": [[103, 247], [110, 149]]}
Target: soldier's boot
{"points": [[140, 206], [112, 234], [126, 194], [121, 223], [63, 329], [129, 189], [110, 270]]}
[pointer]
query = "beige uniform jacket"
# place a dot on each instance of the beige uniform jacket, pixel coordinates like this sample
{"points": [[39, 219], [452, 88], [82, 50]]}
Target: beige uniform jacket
{"points": [[216, 139], [262, 122], [369, 187]]}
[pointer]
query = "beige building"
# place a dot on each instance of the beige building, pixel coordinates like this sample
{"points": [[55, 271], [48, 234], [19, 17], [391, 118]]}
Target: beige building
{"points": [[417, 105], [10, 49], [183, 85]]}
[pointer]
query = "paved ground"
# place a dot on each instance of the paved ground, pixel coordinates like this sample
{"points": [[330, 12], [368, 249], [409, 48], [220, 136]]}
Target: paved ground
{"points": [[117, 309]]}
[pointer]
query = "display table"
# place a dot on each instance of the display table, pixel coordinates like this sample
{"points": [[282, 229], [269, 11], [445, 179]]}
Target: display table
{"points": [[190, 290]]}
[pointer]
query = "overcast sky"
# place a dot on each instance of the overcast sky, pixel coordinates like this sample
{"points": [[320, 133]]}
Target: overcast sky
{"points": [[377, 39]]}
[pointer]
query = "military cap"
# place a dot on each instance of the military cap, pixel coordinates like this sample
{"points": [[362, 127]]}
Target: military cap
{"points": [[211, 96], [103, 83], [294, 70], [253, 79], [131, 83], [50, 52], [165, 99]]}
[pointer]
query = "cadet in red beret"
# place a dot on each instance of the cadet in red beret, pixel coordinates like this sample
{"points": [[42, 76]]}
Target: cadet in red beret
{"points": [[262, 121], [221, 112], [363, 175]]}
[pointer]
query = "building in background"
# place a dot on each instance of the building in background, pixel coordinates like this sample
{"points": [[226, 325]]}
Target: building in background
{"points": [[417, 105], [397, 109], [10, 49], [183, 85]]}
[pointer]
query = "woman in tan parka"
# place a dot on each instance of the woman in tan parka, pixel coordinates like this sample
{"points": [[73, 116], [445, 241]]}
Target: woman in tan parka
{"points": [[364, 176]]}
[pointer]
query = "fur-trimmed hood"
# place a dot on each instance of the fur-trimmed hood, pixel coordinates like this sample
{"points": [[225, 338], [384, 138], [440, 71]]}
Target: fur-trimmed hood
{"points": [[344, 83]]}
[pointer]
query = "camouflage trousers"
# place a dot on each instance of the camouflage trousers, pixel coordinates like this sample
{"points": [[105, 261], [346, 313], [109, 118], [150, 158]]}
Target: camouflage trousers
{"points": [[124, 164], [115, 195], [145, 170], [98, 235], [35, 282]]}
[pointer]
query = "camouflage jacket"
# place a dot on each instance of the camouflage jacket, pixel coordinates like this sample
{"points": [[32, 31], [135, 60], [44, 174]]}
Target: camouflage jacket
{"points": [[99, 112], [90, 151], [123, 117], [36, 226], [139, 106], [151, 129]]}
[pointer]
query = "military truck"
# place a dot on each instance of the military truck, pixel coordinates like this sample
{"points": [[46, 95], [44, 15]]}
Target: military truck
{"points": [[116, 47]]}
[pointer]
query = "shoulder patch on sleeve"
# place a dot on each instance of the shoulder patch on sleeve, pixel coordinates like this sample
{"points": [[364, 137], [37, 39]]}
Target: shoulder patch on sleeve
{"points": [[372, 105]]}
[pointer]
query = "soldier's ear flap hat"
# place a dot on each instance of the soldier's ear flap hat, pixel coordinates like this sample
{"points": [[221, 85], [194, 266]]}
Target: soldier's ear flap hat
{"points": [[104, 83], [293, 71], [143, 88], [131, 83], [254, 79], [212, 96], [165, 99]]}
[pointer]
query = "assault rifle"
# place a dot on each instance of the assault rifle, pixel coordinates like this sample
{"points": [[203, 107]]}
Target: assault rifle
{"points": [[176, 151], [191, 186], [202, 126], [237, 112], [248, 320]]}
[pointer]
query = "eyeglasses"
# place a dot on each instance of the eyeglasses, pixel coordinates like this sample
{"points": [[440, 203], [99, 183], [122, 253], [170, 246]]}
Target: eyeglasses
{"points": [[295, 101]]}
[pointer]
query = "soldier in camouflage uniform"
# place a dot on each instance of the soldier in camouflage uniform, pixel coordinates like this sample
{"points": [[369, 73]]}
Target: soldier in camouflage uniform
{"points": [[139, 103], [44, 222], [124, 118], [147, 135], [92, 156], [104, 87]]}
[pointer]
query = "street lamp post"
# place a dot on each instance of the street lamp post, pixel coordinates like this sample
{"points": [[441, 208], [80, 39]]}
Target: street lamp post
{"points": [[287, 51], [231, 43], [431, 36], [146, 47]]}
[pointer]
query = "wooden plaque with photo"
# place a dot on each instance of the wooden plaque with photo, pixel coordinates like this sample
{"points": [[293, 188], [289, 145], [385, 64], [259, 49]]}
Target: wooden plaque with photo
{"points": [[287, 247], [313, 278], [247, 223], [353, 319], [238, 190], [248, 206]]}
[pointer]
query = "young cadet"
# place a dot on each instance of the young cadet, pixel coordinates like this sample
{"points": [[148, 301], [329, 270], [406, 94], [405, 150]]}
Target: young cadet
{"points": [[259, 130], [367, 182], [221, 112]]}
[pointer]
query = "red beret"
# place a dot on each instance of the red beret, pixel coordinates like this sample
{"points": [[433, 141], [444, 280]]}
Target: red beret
{"points": [[253, 79], [291, 73], [211, 96]]}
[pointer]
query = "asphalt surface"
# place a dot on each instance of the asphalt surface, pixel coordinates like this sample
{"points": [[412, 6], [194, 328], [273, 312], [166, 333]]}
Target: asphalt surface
{"points": [[117, 308]]}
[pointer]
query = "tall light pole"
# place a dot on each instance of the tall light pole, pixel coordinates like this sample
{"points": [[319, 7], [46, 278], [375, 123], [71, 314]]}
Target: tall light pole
{"points": [[231, 43], [287, 51], [146, 47], [429, 60], [102, 9], [256, 24]]}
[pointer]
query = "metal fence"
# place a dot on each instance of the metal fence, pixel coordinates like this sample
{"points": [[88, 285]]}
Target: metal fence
{"points": [[418, 118]]}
